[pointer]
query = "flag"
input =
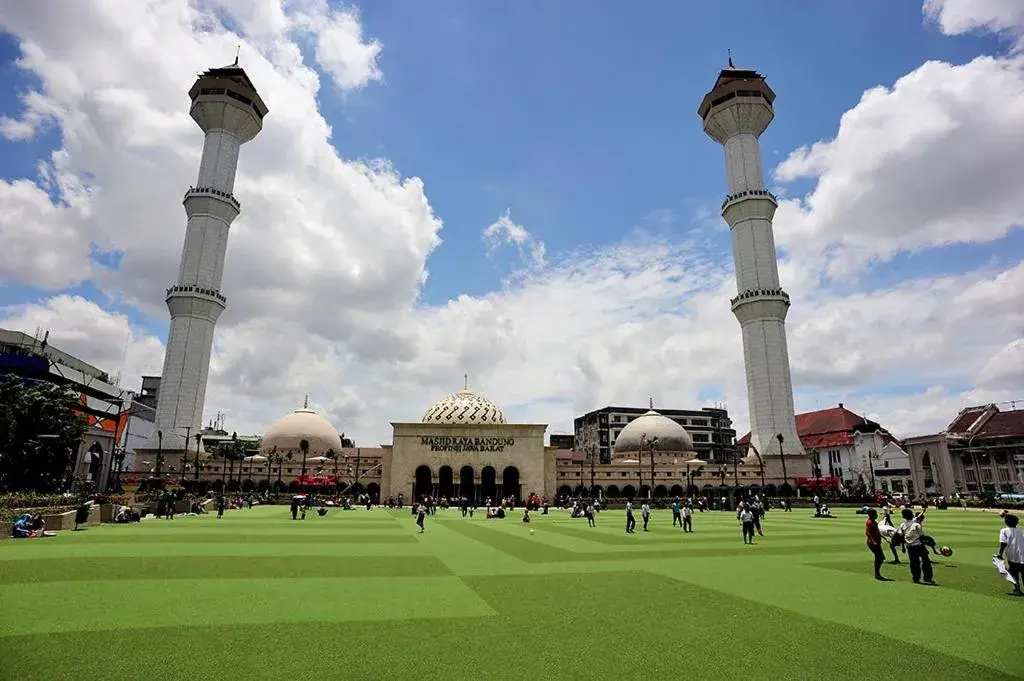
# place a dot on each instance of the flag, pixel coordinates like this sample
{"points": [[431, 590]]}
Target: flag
{"points": [[1003, 572]]}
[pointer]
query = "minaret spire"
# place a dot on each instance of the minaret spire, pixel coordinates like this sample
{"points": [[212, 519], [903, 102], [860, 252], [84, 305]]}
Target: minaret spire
{"points": [[305, 402], [651, 400], [465, 381], [731, 65], [238, 51]]}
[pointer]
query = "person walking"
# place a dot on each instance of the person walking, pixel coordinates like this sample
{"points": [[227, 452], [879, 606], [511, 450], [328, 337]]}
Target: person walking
{"points": [[687, 518], [917, 552], [630, 520], [645, 511], [747, 518], [874, 541], [1011, 544], [590, 515], [421, 514], [676, 513]]}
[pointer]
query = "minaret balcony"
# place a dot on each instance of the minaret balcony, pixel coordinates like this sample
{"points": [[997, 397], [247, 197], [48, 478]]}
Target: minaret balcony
{"points": [[179, 289], [749, 192], [211, 201], [750, 204], [210, 191], [760, 293]]}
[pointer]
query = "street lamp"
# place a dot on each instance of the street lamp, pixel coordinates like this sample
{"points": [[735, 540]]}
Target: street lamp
{"points": [[650, 490], [782, 458]]}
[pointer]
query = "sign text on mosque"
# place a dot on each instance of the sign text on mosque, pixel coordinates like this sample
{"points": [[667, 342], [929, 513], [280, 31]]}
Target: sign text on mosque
{"points": [[467, 444]]}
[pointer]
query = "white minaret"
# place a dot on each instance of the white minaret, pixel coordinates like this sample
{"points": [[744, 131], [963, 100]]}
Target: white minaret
{"points": [[227, 107], [735, 113]]}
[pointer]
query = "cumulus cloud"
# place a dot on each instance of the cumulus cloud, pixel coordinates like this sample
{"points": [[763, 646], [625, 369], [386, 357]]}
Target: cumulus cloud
{"points": [[956, 17], [85, 330], [931, 161], [326, 264], [505, 232]]}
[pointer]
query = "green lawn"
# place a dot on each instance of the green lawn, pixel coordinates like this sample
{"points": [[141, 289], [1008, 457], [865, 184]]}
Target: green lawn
{"points": [[361, 595]]}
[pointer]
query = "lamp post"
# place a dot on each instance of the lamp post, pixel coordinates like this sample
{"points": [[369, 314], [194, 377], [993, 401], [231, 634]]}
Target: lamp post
{"points": [[199, 438], [782, 458], [159, 451], [639, 464]]}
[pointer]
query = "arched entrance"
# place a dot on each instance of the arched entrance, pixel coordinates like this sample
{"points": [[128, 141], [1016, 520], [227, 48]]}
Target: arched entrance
{"points": [[445, 482], [565, 491], [488, 486], [373, 489], [424, 485], [466, 486], [676, 491], [629, 491], [612, 492], [645, 491], [510, 483], [660, 492]]}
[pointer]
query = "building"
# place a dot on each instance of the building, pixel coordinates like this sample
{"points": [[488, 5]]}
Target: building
{"points": [[980, 451], [846, 450], [464, 446], [102, 402], [735, 112], [227, 107], [711, 429], [562, 441]]}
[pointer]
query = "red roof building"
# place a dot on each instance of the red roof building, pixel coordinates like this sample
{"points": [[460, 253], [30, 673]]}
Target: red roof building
{"points": [[980, 451], [827, 428]]}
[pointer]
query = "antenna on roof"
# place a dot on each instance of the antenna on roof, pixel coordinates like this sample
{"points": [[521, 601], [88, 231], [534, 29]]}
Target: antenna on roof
{"points": [[305, 402], [729, 53], [238, 50], [651, 401], [465, 381]]}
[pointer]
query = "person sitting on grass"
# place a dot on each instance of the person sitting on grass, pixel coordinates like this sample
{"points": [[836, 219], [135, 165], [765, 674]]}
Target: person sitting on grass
{"points": [[28, 526], [526, 515]]}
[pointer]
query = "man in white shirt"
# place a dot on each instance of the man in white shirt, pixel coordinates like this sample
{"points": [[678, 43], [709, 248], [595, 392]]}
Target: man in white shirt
{"points": [[645, 511], [630, 520], [917, 552], [687, 517], [747, 518], [1011, 549]]}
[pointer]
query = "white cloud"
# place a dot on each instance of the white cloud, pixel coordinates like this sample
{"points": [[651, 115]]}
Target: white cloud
{"points": [[932, 161], [505, 232], [85, 330], [326, 263], [956, 17]]}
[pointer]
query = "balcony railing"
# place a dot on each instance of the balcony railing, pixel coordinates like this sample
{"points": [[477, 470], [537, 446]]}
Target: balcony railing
{"points": [[213, 293], [749, 192], [759, 292], [210, 191]]}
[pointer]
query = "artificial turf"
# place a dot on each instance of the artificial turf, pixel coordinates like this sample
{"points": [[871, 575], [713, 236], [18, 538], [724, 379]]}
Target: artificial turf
{"points": [[360, 595]]}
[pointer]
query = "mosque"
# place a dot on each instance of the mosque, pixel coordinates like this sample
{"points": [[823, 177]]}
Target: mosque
{"points": [[464, 447]]}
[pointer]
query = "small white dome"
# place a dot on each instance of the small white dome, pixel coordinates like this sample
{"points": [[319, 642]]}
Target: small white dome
{"points": [[671, 437], [302, 424], [464, 407]]}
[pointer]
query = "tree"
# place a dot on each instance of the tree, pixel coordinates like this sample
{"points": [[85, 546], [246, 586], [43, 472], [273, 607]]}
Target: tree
{"points": [[304, 446], [40, 429]]}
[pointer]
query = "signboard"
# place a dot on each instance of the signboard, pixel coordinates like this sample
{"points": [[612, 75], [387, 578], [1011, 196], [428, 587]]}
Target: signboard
{"points": [[467, 444]]}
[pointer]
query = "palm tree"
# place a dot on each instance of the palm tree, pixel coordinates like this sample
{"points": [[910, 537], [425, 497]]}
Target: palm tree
{"points": [[333, 456], [304, 446]]}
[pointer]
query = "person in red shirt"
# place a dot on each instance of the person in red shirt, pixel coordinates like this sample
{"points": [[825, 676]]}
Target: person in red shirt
{"points": [[874, 541]]}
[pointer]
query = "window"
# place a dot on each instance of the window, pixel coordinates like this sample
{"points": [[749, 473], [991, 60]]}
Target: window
{"points": [[986, 475], [702, 423], [1004, 475], [969, 475]]}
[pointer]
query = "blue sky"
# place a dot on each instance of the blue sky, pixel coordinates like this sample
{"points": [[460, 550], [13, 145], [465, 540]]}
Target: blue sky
{"points": [[544, 106], [580, 118]]}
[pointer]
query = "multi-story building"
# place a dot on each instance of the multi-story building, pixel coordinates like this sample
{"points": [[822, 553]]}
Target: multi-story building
{"points": [[845, 449], [562, 441], [102, 401], [981, 450], [710, 427]]}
